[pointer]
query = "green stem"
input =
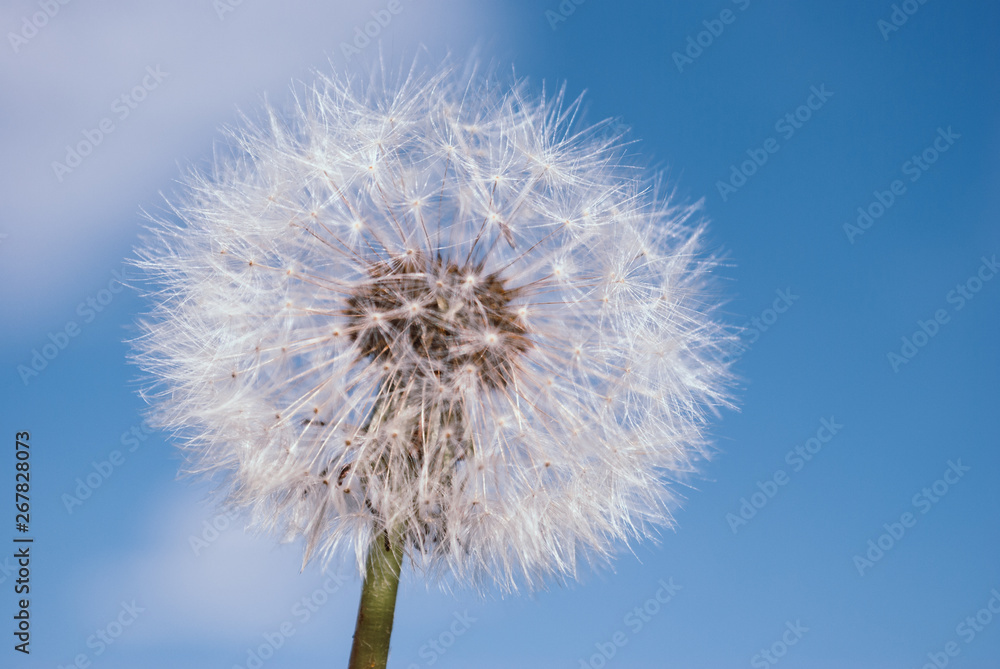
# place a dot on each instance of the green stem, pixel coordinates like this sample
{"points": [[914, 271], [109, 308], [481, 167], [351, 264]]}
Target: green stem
{"points": [[378, 603]]}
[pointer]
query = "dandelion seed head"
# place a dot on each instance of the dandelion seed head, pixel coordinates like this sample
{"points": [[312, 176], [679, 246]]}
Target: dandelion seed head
{"points": [[439, 304]]}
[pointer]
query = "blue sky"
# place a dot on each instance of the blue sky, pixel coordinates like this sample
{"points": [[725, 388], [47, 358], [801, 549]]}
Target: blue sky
{"points": [[899, 121]]}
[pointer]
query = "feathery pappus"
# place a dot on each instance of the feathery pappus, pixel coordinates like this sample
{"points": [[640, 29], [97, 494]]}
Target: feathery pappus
{"points": [[438, 304]]}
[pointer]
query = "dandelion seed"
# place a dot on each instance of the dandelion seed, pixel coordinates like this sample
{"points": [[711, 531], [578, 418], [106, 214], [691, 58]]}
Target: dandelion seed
{"points": [[436, 317]]}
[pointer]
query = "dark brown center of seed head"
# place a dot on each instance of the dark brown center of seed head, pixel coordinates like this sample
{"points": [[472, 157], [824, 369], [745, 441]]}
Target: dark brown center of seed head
{"points": [[438, 319]]}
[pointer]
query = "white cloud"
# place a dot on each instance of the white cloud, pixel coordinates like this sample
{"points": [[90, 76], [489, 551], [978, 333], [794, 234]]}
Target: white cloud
{"points": [[64, 237], [198, 586]]}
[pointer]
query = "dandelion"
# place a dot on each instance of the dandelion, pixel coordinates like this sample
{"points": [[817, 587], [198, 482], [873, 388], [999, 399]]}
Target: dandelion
{"points": [[428, 315]]}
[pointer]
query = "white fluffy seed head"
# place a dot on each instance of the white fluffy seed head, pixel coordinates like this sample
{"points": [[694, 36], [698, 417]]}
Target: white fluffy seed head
{"points": [[431, 303]]}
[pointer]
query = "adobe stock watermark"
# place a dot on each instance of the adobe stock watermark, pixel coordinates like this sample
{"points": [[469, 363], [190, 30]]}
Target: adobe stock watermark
{"points": [[612, 129], [900, 14], [7, 568], [211, 530], [301, 613], [434, 648], [923, 501], [223, 7], [758, 325], [562, 12], [772, 654], [104, 638], [635, 620], [914, 168], [130, 441], [696, 44], [88, 311], [967, 630], [30, 25], [796, 458], [121, 108], [958, 296], [786, 126], [364, 34]]}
